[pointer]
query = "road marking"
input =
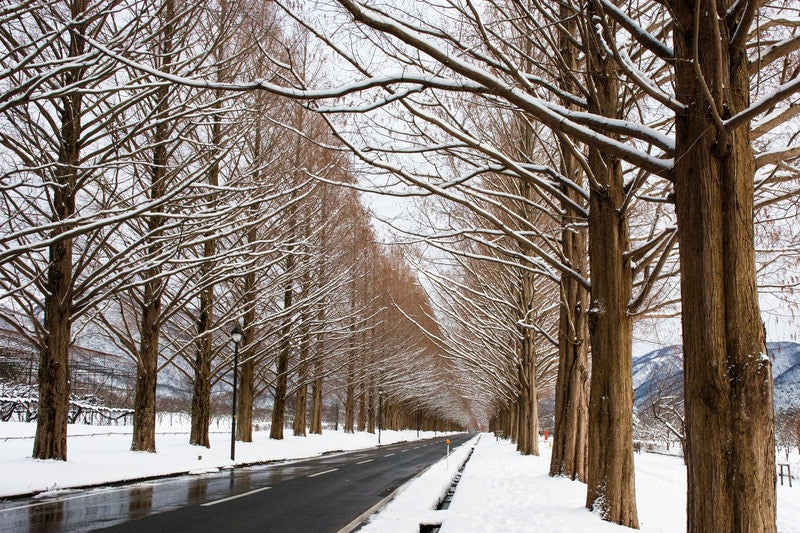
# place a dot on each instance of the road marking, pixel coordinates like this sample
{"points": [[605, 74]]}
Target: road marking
{"points": [[352, 526], [362, 462], [229, 498], [388, 455], [403, 451], [325, 472]]}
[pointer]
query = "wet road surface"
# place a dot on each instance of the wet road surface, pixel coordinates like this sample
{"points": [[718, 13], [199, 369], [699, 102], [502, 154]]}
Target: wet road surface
{"points": [[324, 494]]}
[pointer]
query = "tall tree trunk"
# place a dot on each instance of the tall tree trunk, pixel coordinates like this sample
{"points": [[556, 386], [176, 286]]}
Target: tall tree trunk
{"points": [[144, 411], [321, 277], [532, 407], [279, 404], [316, 389], [610, 476], [371, 412], [144, 415], [245, 398], [299, 426], [362, 404], [513, 428], [201, 389], [528, 442], [727, 375], [572, 381], [301, 398], [316, 398], [282, 368], [350, 396], [50, 441], [247, 368], [521, 435], [571, 412], [201, 392]]}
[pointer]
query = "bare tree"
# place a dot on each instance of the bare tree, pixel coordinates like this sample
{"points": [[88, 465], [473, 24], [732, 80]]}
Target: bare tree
{"points": [[63, 140], [705, 145]]}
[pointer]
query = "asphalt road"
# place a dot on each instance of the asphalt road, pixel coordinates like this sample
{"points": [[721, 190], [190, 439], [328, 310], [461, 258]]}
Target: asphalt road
{"points": [[317, 495]]}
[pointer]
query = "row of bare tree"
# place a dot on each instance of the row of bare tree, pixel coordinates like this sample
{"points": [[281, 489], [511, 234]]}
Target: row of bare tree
{"points": [[153, 215], [655, 136], [577, 158]]}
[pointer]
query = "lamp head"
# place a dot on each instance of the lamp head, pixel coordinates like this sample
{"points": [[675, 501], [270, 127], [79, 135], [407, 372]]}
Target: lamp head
{"points": [[237, 336]]}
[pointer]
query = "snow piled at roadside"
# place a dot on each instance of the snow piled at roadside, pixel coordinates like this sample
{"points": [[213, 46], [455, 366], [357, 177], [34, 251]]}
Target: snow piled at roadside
{"points": [[500, 490], [98, 454], [415, 502], [503, 491]]}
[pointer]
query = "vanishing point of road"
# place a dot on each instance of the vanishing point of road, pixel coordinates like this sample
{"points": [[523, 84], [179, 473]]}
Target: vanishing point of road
{"points": [[331, 493]]}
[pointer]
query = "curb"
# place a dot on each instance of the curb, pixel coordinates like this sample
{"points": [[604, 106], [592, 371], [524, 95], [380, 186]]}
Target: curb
{"points": [[360, 520]]}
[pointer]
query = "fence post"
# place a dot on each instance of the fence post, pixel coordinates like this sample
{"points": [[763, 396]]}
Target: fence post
{"points": [[788, 472]]}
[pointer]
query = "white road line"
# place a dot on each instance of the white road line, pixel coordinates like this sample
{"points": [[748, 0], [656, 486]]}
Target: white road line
{"points": [[403, 451], [325, 472], [388, 455], [229, 498], [362, 462]]}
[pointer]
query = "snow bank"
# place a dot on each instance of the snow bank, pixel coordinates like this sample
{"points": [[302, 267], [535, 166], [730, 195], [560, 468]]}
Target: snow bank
{"points": [[101, 454], [499, 490], [416, 501], [503, 491]]}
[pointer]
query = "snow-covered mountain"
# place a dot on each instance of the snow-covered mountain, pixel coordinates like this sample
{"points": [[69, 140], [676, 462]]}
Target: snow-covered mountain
{"points": [[786, 373], [663, 368]]}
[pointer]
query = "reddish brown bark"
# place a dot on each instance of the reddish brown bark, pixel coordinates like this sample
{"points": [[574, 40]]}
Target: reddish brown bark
{"points": [[50, 441], [727, 377], [610, 474], [571, 412]]}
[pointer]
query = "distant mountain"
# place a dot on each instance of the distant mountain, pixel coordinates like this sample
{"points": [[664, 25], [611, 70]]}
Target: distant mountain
{"points": [[663, 369], [786, 373], [659, 368]]}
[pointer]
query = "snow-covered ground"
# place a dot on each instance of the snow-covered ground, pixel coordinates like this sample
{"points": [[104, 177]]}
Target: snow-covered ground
{"points": [[101, 454], [499, 490], [503, 491], [416, 501]]}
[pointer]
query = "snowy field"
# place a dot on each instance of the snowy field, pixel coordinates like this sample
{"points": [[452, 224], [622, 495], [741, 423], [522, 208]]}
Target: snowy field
{"points": [[500, 490], [101, 454]]}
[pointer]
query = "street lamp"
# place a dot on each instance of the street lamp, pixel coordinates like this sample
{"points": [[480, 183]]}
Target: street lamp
{"points": [[418, 422], [236, 336], [380, 401]]}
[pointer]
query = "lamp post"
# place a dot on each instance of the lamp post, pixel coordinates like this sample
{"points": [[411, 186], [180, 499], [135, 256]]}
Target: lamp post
{"points": [[418, 422], [380, 402], [236, 336]]}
